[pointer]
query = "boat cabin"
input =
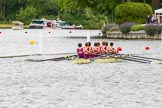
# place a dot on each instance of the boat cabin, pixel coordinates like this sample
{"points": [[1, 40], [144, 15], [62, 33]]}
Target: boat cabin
{"points": [[17, 25], [41, 24]]}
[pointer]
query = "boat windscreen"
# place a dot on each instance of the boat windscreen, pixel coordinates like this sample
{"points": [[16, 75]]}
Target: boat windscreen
{"points": [[37, 22]]}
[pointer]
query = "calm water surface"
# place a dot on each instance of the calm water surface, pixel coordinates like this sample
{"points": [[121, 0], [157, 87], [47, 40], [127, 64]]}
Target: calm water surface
{"points": [[65, 85]]}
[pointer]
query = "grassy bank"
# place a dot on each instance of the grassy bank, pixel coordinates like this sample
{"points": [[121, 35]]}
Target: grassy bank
{"points": [[5, 26], [9, 26]]}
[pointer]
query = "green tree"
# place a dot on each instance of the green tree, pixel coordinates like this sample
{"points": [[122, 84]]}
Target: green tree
{"points": [[27, 14]]}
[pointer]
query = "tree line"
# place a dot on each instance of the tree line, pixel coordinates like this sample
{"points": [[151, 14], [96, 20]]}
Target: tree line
{"points": [[90, 13]]}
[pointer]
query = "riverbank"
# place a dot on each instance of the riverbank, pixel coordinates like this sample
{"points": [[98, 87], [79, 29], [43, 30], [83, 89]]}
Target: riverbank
{"points": [[9, 26], [132, 35], [110, 35], [5, 26]]}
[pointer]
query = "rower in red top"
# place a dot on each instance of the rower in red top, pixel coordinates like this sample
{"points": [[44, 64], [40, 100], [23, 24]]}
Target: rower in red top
{"points": [[87, 51], [80, 51], [104, 48], [91, 50], [107, 47], [112, 50], [96, 50]]}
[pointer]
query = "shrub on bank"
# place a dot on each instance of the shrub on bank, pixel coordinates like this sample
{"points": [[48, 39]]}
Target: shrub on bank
{"points": [[107, 27], [110, 27], [132, 12], [137, 27], [158, 29], [125, 28], [150, 29], [153, 29]]}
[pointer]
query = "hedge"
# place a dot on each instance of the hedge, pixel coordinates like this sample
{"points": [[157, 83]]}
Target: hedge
{"points": [[125, 28], [137, 27], [132, 12], [153, 29]]}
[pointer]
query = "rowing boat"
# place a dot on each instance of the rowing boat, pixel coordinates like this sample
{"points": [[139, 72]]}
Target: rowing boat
{"points": [[96, 60], [107, 60], [103, 59], [81, 61]]}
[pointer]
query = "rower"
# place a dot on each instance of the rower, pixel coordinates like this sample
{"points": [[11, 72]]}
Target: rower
{"points": [[91, 50], [96, 50], [104, 48], [99, 47], [112, 50], [80, 51], [107, 47], [86, 50]]}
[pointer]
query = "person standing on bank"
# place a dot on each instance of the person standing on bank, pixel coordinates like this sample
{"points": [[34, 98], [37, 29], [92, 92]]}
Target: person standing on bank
{"points": [[148, 19]]}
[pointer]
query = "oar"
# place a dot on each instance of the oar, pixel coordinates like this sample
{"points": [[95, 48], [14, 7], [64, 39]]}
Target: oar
{"points": [[125, 57], [136, 60], [53, 59], [139, 59], [147, 57]]}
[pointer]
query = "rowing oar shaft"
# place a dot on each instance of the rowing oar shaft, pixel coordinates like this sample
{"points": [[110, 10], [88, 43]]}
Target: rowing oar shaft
{"points": [[53, 59], [147, 57], [135, 60], [139, 59], [125, 57]]}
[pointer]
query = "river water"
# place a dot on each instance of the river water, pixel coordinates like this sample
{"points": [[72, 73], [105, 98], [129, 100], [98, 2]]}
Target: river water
{"points": [[63, 84]]}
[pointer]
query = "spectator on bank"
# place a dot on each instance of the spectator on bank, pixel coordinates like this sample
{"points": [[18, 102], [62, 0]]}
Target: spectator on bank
{"points": [[154, 20], [148, 19]]}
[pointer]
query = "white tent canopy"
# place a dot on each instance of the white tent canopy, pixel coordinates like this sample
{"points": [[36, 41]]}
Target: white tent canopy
{"points": [[158, 15], [158, 11]]}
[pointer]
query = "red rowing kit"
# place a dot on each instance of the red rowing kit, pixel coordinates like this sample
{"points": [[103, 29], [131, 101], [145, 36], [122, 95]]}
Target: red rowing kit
{"points": [[88, 52], [80, 52]]}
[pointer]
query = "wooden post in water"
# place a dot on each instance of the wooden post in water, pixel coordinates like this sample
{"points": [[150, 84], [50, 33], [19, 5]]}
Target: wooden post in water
{"points": [[88, 36], [40, 42], [161, 40]]}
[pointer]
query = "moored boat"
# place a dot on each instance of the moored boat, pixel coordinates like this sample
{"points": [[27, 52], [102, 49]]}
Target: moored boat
{"points": [[17, 25], [64, 25], [41, 24]]}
